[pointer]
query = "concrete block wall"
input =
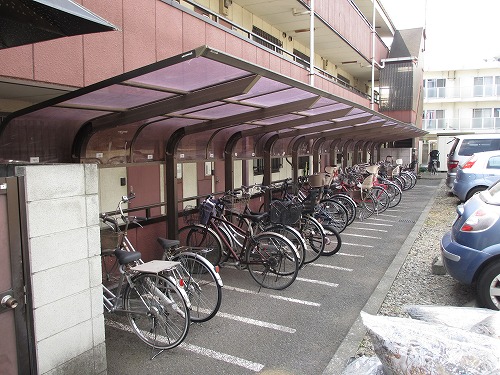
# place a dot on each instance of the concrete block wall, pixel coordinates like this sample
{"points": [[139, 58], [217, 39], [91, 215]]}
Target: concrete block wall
{"points": [[64, 247]]}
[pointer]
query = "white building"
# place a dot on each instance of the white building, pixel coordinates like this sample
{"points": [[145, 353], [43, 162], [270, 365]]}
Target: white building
{"points": [[460, 101]]}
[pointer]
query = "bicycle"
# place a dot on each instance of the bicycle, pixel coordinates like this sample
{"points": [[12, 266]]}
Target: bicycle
{"points": [[200, 280], [150, 294], [271, 259]]}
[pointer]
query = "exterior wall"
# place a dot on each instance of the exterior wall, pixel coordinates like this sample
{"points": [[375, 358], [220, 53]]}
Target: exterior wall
{"points": [[457, 100], [63, 231], [78, 61]]}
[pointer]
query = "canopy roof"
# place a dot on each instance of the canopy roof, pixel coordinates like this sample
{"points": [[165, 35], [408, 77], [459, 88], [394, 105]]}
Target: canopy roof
{"points": [[194, 102], [30, 21]]}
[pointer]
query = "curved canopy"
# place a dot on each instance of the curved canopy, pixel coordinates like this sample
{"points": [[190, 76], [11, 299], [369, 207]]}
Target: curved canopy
{"points": [[191, 97]]}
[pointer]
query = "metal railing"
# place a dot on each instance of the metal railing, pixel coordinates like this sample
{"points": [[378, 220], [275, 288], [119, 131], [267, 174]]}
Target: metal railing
{"points": [[461, 124], [261, 42], [462, 92]]}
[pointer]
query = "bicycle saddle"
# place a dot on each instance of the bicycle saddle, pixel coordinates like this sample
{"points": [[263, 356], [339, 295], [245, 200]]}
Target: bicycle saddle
{"points": [[125, 256], [254, 217], [166, 243]]}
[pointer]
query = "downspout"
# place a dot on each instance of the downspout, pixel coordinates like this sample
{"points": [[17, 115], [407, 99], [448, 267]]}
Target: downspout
{"points": [[372, 102], [311, 43]]}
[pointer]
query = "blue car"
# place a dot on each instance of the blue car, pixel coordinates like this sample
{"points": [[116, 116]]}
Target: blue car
{"points": [[480, 171], [471, 250]]}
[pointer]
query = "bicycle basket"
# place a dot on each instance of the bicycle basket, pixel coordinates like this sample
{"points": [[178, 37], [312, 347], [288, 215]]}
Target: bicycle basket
{"points": [[207, 208], [285, 212]]}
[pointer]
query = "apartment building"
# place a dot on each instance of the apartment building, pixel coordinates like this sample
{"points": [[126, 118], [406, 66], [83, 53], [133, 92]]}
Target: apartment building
{"points": [[178, 99], [465, 100]]}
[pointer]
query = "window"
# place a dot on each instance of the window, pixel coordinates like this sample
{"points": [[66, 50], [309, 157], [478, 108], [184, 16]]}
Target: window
{"points": [[343, 79], [434, 119], [303, 57], [266, 39], [494, 162], [258, 165], [482, 118], [435, 88], [483, 86]]}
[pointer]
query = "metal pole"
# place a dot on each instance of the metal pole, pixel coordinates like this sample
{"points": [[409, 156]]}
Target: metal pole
{"points": [[372, 103], [311, 44]]}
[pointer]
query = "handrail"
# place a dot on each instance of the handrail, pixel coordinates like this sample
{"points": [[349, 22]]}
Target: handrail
{"points": [[278, 49]]}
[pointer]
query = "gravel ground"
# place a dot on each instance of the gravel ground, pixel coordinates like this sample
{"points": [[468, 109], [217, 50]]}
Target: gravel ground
{"points": [[416, 284]]}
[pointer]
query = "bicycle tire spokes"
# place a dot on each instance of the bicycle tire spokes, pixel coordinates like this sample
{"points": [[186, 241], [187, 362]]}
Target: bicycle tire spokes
{"points": [[272, 261], [156, 311]]}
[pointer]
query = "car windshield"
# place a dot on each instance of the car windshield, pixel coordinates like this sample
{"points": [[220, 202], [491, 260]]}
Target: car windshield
{"points": [[493, 194]]}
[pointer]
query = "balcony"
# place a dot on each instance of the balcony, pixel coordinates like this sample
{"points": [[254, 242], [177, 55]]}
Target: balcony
{"points": [[461, 124], [462, 93]]}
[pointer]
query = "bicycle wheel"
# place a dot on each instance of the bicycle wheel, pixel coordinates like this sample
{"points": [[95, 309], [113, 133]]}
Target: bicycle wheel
{"points": [[394, 192], [293, 235], [333, 241], [348, 204], [272, 260], [382, 199], [197, 235], [202, 285], [365, 207], [312, 231], [156, 310], [331, 213]]}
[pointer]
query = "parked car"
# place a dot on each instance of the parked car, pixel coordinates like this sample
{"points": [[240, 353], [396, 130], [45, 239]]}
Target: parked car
{"points": [[471, 250], [476, 174], [464, 146]]}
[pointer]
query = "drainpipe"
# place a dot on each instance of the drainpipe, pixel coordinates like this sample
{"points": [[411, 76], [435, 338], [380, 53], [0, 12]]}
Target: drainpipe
{"points": [[372, 104], [311, 44]]}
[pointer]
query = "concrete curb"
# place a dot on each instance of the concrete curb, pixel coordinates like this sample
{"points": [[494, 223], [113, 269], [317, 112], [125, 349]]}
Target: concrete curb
{"points": [[350, 344]]}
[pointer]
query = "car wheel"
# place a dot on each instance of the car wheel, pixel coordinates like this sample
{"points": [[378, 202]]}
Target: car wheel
{"points": [[475, 190], [488, 287]]}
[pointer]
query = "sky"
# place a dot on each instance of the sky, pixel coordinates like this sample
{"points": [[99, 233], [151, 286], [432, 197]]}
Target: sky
{"points": [[459, 32]]}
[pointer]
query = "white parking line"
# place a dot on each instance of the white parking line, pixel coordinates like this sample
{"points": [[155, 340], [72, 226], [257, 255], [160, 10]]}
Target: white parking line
{"points": [[352, 255], [387, 215], [376, 219], [355, 244], [331, 267], [255, 322], [253, 366], [360, 235], [377, 224], [287, 299], [249, 365], [312, 281], [375, 230]]}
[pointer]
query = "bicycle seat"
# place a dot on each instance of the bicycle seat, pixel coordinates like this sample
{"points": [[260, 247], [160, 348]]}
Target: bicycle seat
{"points": [[125, 256], [167, 244], [255, 217]]}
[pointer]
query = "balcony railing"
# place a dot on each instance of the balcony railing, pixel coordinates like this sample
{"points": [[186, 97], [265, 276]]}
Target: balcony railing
{"points": [[266, 44], [463, 92], [461, 124]]}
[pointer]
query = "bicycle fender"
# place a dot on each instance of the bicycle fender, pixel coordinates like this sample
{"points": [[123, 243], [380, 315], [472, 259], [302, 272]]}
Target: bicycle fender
{"points": [[203, 260], [181, 290]]}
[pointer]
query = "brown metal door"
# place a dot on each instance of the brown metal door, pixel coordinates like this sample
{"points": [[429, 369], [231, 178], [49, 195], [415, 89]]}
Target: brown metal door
{"points": [[16, 349]]}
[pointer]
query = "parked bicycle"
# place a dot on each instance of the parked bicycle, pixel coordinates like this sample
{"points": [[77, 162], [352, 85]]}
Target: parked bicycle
{"points": [[271, 259], [149, 294], [200, 279]]}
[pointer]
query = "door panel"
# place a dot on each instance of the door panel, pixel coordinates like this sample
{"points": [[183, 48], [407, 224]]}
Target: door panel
{"points": [[16, 346]]}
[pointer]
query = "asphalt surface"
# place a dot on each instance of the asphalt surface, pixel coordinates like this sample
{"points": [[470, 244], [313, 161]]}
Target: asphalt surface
{"points": [[312, 327]]}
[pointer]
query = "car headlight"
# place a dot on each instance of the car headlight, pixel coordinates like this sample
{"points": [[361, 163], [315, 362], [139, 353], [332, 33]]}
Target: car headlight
{"points": [[480, 220]]}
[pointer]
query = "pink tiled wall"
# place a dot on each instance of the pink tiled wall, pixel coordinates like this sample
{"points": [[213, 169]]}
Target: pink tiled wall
{"points": [[150, 30]]}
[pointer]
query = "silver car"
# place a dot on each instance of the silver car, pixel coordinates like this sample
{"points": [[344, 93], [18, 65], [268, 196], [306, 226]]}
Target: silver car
{"points": [[479, 172]]}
